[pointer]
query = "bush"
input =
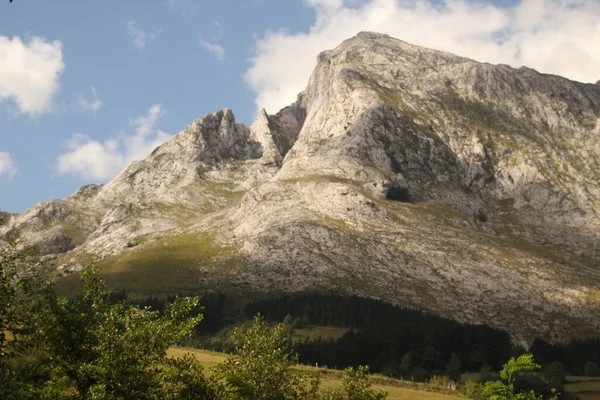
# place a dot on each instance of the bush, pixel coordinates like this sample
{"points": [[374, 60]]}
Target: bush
{"points": [[356, 385], [453, 368], [260, 367], [554, 373], [391, 369], [471, 390], [487, 374], [515, 367], [442, 382], [419, 374], [591, 369]]}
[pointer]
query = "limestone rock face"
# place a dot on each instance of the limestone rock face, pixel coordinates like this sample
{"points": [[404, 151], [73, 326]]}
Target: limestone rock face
{"points": [[407, 174]]}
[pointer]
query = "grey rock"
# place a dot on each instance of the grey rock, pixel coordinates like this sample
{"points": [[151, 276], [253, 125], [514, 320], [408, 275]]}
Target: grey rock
{"points": [[401, 173]]}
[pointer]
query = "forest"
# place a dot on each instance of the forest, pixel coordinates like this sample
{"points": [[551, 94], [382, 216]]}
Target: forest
{"points": [[378, 334]]}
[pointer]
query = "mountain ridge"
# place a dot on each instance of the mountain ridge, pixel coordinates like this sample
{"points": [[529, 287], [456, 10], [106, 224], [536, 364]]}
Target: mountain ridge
{"points": [[407, 174]]}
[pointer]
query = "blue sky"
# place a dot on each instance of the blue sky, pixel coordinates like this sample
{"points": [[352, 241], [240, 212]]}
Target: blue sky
{"points": [[86, 86], [172, 69]]}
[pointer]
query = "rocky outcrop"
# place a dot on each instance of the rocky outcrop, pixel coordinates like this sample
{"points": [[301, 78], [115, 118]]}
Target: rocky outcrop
{"points": [[430, 180], [407, 174]]}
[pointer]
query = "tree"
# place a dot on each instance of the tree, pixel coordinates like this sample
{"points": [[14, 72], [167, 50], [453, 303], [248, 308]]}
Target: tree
{"points": [[355, 386], [21, 285], [591, 369], [453, 368], [112, 351], [554, 373], [260, 367], [505, 390], [391, 369], [88, 347], [406, 365]]}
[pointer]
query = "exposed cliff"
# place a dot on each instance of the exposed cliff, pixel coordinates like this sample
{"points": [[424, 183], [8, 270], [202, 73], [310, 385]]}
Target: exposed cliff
{"points": [[402, 173]]}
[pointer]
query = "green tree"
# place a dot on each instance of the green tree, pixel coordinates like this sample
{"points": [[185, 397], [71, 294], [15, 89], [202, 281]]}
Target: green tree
{"points": [[453, 368], [86, 347], [554, 373], [505, 390], [591, 369], [21, 285], [113, 351], [356, 385], [406, 364], [391, 369], [260, 367]]}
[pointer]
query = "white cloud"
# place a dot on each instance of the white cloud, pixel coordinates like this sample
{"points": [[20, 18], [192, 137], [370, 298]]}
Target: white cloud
{"points": [[185, 7], [88, 105], [553, 36], [215, 49], [7, 165], [30, 72], [95, 160], [140, 37]]}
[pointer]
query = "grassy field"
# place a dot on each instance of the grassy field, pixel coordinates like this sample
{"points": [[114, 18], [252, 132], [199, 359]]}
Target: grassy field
{"points": [[313, 333], [164, 267], [397, 390], [585, 387]]}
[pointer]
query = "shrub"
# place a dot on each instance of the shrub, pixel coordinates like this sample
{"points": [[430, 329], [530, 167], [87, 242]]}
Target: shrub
{"points": [[391, 369], [471, 390], [506, 390], [419, 374], [487, 374], [453, 368], [356, 385], [442, 382], [554, 373], [260, 367], [591, 369]]}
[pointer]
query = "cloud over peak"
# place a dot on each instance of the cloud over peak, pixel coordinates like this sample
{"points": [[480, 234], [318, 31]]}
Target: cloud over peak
{"points": [[553, 36], [95, 160]]}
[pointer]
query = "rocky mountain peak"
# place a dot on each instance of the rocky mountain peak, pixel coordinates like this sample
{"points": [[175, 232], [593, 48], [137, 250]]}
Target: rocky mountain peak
{"points": [[403, 173]]}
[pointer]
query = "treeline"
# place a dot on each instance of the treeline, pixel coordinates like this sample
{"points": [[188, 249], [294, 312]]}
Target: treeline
{"points": [[388, 338], [574, 355], [381, 334]]}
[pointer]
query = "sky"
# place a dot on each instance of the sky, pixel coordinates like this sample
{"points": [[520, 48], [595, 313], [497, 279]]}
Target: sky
{"points": [[87, 86]]}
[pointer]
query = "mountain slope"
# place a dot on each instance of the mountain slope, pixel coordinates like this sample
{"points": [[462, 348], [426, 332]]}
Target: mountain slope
{"points": [[402, 173]]}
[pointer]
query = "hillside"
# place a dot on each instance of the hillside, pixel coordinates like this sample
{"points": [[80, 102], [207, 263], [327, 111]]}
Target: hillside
{"points": [[401, 173]]}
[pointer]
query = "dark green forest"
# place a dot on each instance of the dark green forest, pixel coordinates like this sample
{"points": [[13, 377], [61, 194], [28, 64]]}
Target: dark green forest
{"points": [[393, 340]]}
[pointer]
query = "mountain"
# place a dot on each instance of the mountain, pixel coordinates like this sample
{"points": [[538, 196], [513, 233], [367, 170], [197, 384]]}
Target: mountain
{"points": [[401, 173]]}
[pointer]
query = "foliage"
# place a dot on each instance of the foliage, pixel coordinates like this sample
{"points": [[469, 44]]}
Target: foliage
{"points": [[406, 364], [20, 287], [392, 369], [505, 390], [355, 386], [442, 382], [88, 347], [591, 369], [554, 373], [453, 368], [471, 390], [487, 374], [419, 374], [379, 332], [260, 367]]}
